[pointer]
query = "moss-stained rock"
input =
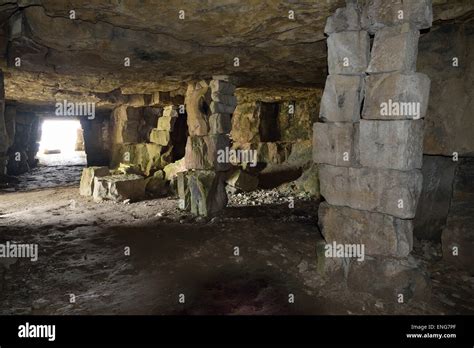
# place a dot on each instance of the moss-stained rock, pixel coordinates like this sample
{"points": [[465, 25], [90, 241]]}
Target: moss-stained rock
{"points": [[171, 170], [147, 157], [207, 189]]}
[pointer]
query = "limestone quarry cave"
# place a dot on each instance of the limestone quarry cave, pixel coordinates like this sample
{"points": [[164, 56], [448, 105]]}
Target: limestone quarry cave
{"points": [[237, 157]]}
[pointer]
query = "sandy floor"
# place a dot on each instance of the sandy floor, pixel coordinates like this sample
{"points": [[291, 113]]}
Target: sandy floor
{"points": [[82, 252]]}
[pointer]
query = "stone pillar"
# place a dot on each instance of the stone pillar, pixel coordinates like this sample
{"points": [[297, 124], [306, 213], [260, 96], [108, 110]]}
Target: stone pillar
{"points": [[209, 107], [369, 163], [4, 139]]}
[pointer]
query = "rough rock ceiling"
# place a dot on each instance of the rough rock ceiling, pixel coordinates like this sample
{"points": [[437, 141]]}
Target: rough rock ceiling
{"points": [[83, 58]]}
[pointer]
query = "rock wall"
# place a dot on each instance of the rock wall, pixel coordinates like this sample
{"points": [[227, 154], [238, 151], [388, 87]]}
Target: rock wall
{"points": [[25, 145], [277, 124], [446, 54]]}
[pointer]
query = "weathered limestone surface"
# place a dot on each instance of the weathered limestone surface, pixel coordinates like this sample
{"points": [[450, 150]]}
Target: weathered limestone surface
{"points": [[348, 52], [391, 144], [222, 87], [449, 124], [210, 108], [148, 157], [86, 187], [433, 206], [378, 14], [160, 137], [202, 47], [342, 97], [166, 123], [202, 152], [224, 98], [220, 124], [372, 205], [336, 143], [394, 49], [119, 187], [170, 111], [126, 123], [387, 278], [207, 190], [403, 90], [172, 169], [385, 191], [220, 108], [197, 95], [380, 234], [344, 19], [183, 191]]}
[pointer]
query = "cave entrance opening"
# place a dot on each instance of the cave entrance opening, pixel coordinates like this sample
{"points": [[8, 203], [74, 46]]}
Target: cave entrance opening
{"points": [[61, 144]]}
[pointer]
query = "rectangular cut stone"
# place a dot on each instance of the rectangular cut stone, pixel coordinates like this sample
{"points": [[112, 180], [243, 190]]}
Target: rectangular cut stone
{"points": [[336, 143], [377, 14], [119, 187], [166, 123], [396, 96], [219, 108], [222, 87], [344, 19], [394, 49], [207, 152], [220, 124], [385, 191], [170, 111], [230, 100], [381, 234], [348, 52], [207, 189], [126, 122], [160, 137], [342, 99], [391, 144], [86, 187]]}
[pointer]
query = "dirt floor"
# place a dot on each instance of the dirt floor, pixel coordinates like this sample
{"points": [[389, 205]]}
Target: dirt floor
{"points": [[82, 251]]}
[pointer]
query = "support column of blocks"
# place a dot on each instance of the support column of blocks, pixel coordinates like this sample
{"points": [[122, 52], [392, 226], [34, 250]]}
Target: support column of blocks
{"points": [[202, 188], [4, 139], [161, 135], [369, 162]]}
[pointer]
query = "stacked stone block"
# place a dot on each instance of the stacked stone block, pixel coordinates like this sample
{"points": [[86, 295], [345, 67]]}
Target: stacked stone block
{"points": [[209, 106], [161, 135], [369, 161]]}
